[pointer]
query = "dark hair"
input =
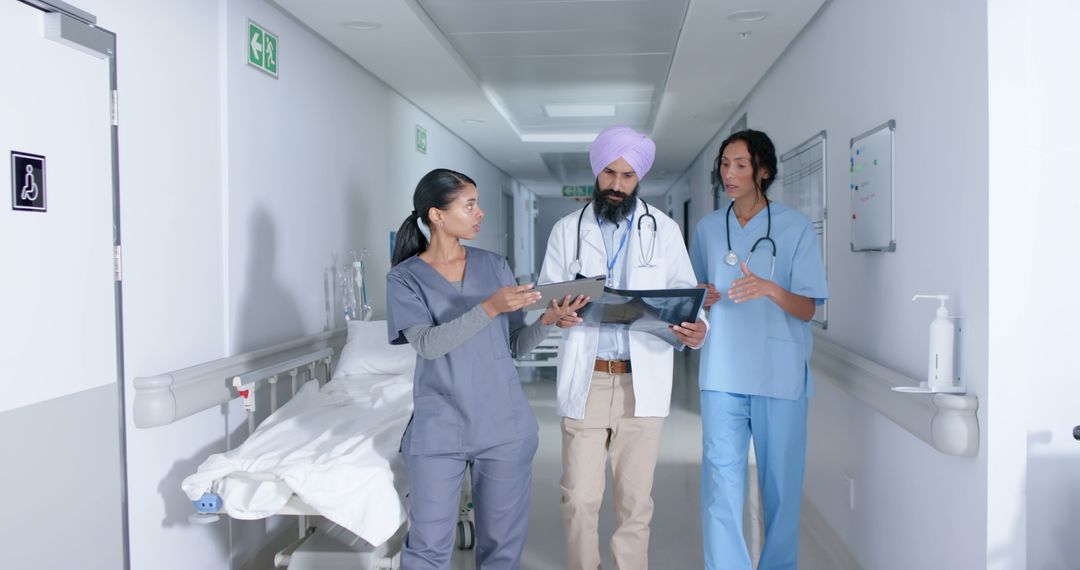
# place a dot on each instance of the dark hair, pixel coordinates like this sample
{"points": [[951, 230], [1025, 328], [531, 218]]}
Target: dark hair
{"points": [[435, 190], [762, 154]]}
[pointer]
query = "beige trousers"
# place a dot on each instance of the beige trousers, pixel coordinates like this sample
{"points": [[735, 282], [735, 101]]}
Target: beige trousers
{"points": [[609, 428]]}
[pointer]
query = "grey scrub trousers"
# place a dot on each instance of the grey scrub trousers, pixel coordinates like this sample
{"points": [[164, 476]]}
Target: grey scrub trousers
{"points": [[468, 408]]}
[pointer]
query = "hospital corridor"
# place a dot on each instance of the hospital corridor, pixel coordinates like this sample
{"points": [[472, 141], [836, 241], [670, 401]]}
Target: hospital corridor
{"points": [[676, 529], [539, 285]]}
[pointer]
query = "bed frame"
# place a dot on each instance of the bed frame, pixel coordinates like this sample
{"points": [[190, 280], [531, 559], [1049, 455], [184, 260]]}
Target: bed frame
{"points": [[167, 398]]}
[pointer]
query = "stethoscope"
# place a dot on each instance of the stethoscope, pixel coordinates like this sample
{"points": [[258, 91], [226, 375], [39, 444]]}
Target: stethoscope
{"points": [[732, 259], [646, 260]]}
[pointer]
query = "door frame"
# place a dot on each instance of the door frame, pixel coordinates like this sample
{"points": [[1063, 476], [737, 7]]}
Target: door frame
{"points": [[78, 29]]}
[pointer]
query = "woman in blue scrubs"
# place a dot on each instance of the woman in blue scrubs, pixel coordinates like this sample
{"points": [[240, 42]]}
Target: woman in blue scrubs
{"points": [[460, 308], [761, 263]]}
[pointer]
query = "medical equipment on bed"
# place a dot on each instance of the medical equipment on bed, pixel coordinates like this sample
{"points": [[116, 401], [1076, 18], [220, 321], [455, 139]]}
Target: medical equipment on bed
{"points": [[354, 288], [368, 399]]}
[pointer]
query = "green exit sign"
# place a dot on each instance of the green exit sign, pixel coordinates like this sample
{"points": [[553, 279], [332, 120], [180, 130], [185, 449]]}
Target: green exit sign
{"points": [[421, 139], [262, 49], [576, 191]]}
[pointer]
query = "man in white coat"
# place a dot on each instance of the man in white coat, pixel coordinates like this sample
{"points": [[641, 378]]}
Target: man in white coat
{"points": [[614, 385]]}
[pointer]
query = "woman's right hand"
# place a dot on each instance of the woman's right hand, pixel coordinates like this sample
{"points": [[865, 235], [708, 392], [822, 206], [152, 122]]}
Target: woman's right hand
{"points": [[564, 315], [510, 298], [711, 294]]}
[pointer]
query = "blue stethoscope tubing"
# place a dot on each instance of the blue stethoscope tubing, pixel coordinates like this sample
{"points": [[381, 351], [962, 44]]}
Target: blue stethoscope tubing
{"points": [[731, 258], [575, 266]]}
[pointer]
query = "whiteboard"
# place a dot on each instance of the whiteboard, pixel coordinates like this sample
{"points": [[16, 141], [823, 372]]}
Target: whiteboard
{"points": [[872, 219], [803, 188]]}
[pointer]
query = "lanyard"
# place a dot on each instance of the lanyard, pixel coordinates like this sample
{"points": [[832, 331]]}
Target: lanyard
{"points": [[611, 264]]}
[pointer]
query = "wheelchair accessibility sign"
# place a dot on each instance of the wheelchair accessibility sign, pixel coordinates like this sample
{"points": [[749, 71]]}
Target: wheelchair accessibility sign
{"points": [[27, 182]]}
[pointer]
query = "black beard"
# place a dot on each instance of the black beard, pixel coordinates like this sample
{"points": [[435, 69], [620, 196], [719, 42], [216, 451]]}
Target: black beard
{"points": [[614, 213]]}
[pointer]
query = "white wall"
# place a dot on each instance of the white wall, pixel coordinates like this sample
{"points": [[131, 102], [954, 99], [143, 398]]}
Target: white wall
{"points": [[236, 188], [858, 64], [551, 210], [321, 160], [1034, 463]]}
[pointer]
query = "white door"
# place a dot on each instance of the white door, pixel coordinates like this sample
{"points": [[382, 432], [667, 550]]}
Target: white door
{"points": [[59, 417]]}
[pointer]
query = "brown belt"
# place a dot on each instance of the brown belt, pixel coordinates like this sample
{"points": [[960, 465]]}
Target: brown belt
{"points": [[612, 366]]}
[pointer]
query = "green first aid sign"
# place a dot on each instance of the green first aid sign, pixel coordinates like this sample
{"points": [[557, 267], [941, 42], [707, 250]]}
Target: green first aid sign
{"points": [[262, 48]]}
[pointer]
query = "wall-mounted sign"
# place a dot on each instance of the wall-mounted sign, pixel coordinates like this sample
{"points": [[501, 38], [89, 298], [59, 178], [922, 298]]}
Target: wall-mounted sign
{"points": [[262, 49], [421, 139], [27, 181], [577, 191]]}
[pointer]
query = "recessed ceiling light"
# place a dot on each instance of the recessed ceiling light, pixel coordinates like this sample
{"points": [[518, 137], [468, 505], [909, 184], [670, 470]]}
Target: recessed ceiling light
{"points": [[362, 25], [579, 110], [559, 137], [747, 16], [472, 121]]}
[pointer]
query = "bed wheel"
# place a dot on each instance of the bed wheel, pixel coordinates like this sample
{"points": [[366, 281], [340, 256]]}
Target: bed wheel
{"points": [[466, 535]]}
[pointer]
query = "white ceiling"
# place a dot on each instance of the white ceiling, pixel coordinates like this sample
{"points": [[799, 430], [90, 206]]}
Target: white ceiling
{"points": [[675, 69]]}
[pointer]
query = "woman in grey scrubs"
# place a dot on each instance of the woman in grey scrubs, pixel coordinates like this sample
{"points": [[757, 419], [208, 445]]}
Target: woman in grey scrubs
{"points": [[460, 308]]}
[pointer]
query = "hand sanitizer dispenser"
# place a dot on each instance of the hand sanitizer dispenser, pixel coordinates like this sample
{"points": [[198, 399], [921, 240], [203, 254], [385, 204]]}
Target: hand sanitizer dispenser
{"points": [[939, 372]]}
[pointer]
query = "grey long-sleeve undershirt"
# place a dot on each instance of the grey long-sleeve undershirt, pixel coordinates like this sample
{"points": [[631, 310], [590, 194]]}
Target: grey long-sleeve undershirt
{"points": [[431, 342]]}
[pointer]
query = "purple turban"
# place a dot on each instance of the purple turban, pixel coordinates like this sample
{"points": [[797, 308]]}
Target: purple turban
{"points": [[622, 142]]}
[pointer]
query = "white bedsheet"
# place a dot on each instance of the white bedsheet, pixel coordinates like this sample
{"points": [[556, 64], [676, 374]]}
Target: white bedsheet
{"points": [[335, 448]]}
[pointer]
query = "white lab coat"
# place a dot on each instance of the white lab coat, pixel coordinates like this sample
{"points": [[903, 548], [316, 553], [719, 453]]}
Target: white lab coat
{"points": [[651, 358]]}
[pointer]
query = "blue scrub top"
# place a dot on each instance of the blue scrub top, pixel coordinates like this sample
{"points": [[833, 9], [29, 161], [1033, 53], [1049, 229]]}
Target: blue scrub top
{"points": [[470, 398], [755, 347]]}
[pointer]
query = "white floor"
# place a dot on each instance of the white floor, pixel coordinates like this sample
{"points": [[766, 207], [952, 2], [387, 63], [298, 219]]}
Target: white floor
{"points": [[676, 527]]}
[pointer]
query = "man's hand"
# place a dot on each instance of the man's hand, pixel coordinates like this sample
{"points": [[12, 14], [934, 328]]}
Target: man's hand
{"points": [[711, 294], [690, 334], [569, 321]]}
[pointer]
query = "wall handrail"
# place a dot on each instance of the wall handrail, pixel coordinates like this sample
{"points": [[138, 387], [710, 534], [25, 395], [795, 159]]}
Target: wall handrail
{"points": [[165, 398], [948, 422]]}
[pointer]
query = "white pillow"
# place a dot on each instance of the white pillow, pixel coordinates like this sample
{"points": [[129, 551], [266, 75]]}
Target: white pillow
{"points": [[367, 351]]}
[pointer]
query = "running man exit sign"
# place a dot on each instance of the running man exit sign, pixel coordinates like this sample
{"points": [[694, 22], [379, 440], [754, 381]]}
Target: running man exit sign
{"points": [[262, 49]]}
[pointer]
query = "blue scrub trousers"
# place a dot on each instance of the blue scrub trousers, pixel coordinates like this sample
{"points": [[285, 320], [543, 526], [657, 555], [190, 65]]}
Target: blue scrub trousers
{"points": [[502, 480], [779, 430]]}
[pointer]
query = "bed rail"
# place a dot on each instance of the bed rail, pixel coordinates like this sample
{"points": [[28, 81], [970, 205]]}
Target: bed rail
{"points": [[163, 399]]}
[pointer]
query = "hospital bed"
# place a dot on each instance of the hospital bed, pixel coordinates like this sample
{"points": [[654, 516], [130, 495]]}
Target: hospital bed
{"points": [[546, 354], [329, 455]]}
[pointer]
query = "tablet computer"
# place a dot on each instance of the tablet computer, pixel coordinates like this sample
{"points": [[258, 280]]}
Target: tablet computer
{"points": [[589, 286]]}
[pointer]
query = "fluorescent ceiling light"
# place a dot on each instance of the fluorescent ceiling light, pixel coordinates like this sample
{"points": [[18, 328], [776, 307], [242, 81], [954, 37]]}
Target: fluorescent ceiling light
{"points": [[362, 25], [579, 110], [559, 137], [747, 16]]}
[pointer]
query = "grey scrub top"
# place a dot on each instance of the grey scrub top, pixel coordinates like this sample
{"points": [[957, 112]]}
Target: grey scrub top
{"points": [[470, 398]]}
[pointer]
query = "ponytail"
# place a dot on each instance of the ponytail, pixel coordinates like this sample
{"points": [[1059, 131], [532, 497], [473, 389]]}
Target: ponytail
{"points": [[437, 189], [409, 240]]}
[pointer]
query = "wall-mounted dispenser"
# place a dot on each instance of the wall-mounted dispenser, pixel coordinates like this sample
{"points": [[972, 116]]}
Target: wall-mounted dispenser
{"points": [[940, 377]]}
